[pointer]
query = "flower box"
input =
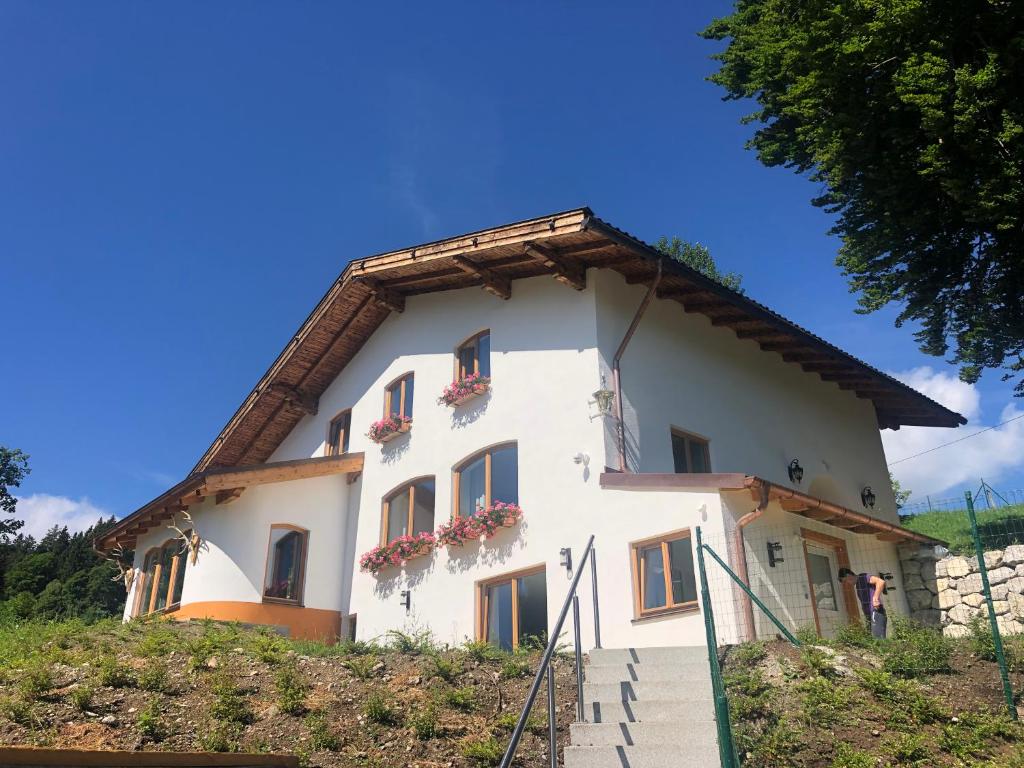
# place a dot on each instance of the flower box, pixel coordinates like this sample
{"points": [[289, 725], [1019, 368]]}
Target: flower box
{"points": [[464, 390], [389, 428], [482, 525], [397, 552]]}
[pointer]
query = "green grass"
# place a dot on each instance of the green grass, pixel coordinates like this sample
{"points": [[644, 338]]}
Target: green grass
{"points": [[998, 528]]}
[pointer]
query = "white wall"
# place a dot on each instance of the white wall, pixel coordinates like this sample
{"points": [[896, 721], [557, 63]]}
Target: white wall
{"points": [[758, 411]]}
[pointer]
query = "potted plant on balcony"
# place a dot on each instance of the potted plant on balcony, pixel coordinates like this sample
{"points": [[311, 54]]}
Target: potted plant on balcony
{"points": [[397, 552], [481, 525], [464, 390], [389, 428]]}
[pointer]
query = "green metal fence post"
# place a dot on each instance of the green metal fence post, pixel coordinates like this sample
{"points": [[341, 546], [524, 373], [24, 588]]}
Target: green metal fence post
{"points": [[997, 639], [726, 747]]}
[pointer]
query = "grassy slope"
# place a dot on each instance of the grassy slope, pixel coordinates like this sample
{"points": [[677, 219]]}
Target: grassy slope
{"points": [[997, 528], [916, 699], [204, 686]]}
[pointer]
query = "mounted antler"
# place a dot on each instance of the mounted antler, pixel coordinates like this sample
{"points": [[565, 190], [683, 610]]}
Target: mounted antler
{"points": [[190, 540], [125, 572]]}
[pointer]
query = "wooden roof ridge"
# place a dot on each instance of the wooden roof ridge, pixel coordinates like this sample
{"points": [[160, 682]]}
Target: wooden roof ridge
{"points": [[224, 484], [563, 245]]}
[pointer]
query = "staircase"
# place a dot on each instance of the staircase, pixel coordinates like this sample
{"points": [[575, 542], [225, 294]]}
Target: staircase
{"points": [[645, 708]]}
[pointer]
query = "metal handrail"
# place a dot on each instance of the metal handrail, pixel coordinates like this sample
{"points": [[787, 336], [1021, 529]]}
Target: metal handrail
{"points": [[571, 599]]}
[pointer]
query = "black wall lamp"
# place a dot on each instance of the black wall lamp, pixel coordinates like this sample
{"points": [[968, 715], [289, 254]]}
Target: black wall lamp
{"points": [[566, 559], [796, 472], [406, 599], [774, 547], [867, 497]]}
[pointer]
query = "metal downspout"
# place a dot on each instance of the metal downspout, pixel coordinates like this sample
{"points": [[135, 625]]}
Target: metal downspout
{"points": [[616, 369], [739, 556]]}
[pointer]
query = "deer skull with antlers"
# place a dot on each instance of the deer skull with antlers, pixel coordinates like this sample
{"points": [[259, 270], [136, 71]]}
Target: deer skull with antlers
{"points": [[190, 540], [125, 572]]}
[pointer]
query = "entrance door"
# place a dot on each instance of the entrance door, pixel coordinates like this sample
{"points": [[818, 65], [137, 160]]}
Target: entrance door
{"points": [[825, 595]]}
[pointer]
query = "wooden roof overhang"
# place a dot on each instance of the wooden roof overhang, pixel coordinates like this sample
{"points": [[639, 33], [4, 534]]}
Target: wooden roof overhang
{"points": [[790, 499], [223, 484], [564, 245]]}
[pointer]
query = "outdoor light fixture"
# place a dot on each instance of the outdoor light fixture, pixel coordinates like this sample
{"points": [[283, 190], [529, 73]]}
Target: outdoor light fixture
{"points": [[867, 497], [604, 399], [406, 599], [566, 558], [774, 547], [796, 472]]}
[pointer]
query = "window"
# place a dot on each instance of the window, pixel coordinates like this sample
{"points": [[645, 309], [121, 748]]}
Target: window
{"points": [[663, 574], [514, 609], [474, 356], [286, 564], [398, 397], [162, 578], [486, 478], [690, 453], [338, 433], [409, 510]]}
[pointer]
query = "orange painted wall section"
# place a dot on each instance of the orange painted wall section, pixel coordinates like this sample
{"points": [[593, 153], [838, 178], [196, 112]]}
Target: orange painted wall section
{"points": [[302, 623]]}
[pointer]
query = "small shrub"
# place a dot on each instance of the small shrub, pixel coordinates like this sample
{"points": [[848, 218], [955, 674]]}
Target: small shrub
{"points": [[774, 747], [481, 651], [751, 697], [36, 680], [413, 643], [748, 654], [816, 661], [157, 642], [506, 721], [975, 734], [357, 648], [855, 635], [291, 691], [149, 722], [113, 674], [220, 736], [848, 757], [322, 738], [230, 705], [482, 750], [424, 723], [361, 666], [269, 649], [825, 702], [153, 678], [379, 710], [81, 697], [907, 749], [914, 651], [513, 668], [18, 711], [462, 699], [446, 669], [907, 703], [807, 635]]}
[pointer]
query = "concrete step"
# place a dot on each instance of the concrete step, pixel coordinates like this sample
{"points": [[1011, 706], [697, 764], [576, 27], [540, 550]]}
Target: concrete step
{"points": [[652, 711], [641, 691], [654, 756], [684, 736], [613, 673], [662, 655]]}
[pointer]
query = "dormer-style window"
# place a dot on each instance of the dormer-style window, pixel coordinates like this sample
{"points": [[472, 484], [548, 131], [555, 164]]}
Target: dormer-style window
{"points": [[286, 564], [690, 453], [398, 397], [338, 433], [408, 510], [474, 356], [487, 477]]}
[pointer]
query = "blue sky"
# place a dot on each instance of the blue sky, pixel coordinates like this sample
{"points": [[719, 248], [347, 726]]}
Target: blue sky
{"points": [[179, 183]]}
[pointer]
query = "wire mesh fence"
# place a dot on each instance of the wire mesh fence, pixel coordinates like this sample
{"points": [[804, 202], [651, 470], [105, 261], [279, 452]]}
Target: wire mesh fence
{"points": [[812, 622]]}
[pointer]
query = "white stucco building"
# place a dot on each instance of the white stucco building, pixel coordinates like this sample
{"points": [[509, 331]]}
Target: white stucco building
{"points": [[716, 399]]}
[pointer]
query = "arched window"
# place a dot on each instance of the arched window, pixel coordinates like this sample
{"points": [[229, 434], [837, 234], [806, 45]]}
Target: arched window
{"points": [[286, 564], [474, 356], [408, 510], [487, 477], [398, 397], [161, 579], [338, 433]]}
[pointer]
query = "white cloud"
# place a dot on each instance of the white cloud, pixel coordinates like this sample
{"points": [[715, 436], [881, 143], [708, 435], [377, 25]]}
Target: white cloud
{"points": [[41, 511], [990, 455]]}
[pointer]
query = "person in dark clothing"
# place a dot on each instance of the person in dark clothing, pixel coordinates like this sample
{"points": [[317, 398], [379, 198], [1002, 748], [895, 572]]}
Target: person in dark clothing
{"points": [[869, 592]]}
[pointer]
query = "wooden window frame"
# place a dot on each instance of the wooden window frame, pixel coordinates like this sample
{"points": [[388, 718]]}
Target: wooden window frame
{"points": [[402, 380], [301, 581], [690, 437], [842, 561], [475, 341], [345, 434], [386, 505], [481, 599], [151, 582], [635, 548], [486, 453]]}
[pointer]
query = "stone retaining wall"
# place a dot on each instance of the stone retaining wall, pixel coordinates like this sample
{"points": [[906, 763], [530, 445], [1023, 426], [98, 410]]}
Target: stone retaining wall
{"points": [[946, 591]]}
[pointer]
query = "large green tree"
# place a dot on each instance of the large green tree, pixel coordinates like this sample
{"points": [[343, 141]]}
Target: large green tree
{"points": [[13, 468], [910, 115], [699, 257]]}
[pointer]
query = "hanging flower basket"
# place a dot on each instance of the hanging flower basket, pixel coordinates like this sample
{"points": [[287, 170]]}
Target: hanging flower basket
{"points": [[464, 390], [389, 428], [481, 525], [397, 552]]}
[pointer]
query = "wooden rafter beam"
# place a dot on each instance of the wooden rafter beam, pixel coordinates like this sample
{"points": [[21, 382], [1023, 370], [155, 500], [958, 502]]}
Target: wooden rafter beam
{"points": [[779, 346], [566, 273], [678, 292], [228, 495], [728, 319], [384, 296], [493, 283], [702, 306], [760, 333], [306, 403]]}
